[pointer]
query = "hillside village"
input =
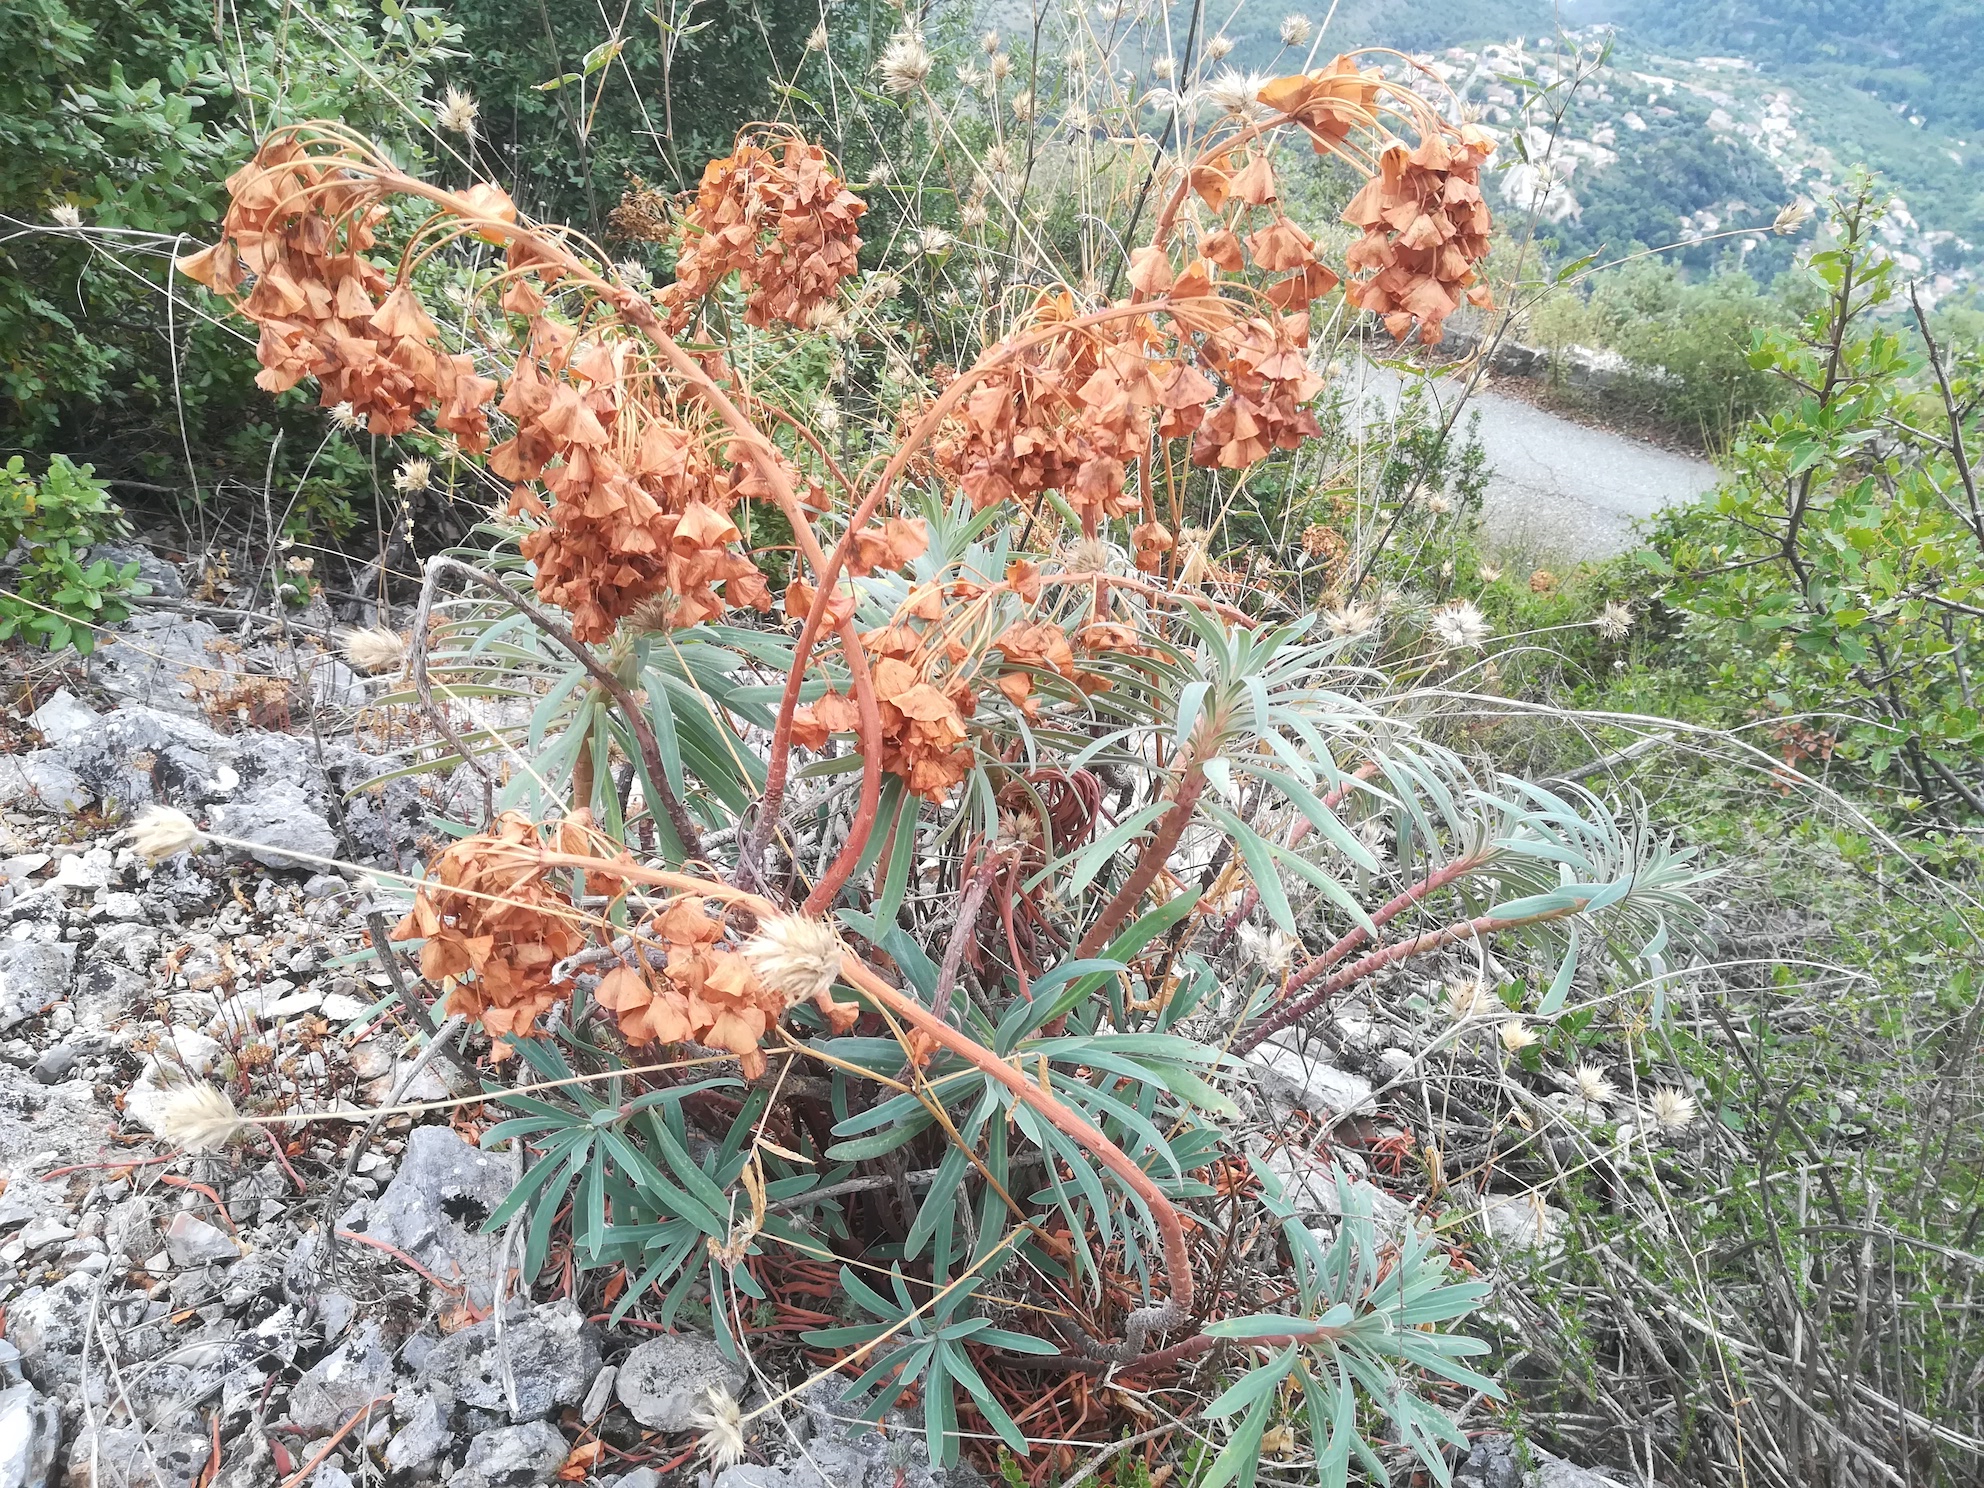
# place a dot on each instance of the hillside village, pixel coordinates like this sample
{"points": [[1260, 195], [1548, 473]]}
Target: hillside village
{"points": [[1518, 86]]}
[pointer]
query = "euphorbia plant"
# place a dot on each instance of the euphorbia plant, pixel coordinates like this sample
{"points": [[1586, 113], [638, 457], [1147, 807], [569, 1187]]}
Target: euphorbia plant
{"points": [[1111, 770]]}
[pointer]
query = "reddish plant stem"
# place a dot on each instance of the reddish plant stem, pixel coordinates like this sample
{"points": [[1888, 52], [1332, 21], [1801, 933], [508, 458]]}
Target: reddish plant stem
{"points": [[827, 573], [1013, 941], [1191, 1348], [1384, 915], [331, 1442], [853, 971], [643, 732], [419, 1270], [1378, 960], [1171, 1229], [1157, 852]]}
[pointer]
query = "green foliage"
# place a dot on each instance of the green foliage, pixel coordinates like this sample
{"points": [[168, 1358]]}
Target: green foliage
{"points": [[1274, 711], [1825, 1198], [571, 110], [60, 595], [1926, 52], [132, 117], [1373, 1322], [1835, 578], [1673, 168], [1688, 343]]}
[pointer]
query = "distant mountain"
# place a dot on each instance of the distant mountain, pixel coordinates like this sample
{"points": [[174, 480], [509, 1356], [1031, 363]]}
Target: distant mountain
{"points": [[1713, 113], [1925, 56]]}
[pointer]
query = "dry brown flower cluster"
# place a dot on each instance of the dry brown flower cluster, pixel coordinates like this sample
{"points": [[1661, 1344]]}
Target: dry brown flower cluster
{"points": [[1325, 544], [302, 227], [1425, 232], [778, 216], [495, 921], [640, 508], [1329, 103], [708, 992], [928, 681], [1068, 413]]}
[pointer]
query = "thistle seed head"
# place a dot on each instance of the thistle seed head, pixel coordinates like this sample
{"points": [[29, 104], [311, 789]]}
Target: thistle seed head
{"points": [[797, 957], [161, 831]]}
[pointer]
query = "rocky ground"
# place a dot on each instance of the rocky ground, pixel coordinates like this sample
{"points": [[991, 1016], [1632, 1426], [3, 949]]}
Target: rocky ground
{"points": [[321, 1303]]}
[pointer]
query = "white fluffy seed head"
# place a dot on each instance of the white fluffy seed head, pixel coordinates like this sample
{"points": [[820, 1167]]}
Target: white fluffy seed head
{"points": [[797, 957], [1271, 950], [1673, 1110], [1593, 1086], [1460, 626], [66, 214], [457, 113], [374, 649], [1236, 93], [416, 474], [905, 63], [199, 1119], [1615, 621], [722, 1427], [1354, 619], [1219, 48], [161, 831], [1469, 997], [1296, 30], [1791, 217], [1088, 555], [1517, 1035]]}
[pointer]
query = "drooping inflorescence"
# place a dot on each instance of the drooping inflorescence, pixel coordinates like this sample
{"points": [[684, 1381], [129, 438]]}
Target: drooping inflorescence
{"points": [[631, 466]]}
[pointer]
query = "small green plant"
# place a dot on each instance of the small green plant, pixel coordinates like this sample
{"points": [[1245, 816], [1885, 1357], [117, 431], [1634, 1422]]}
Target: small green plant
{"points": [[58, 598]]}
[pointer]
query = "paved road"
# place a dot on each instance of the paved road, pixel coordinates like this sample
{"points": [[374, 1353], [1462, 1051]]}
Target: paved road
{"points": [[1559, 489]]}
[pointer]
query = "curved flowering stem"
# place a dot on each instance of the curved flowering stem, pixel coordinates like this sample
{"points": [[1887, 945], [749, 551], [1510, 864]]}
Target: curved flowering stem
{"points": [[1391, 955], [857, 974], [637, 312], [828, 573]]}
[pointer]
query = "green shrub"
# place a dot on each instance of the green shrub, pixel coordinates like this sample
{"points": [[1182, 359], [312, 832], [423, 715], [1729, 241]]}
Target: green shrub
{"points": [[60, 595], [1836, 582], [1687, 343]]}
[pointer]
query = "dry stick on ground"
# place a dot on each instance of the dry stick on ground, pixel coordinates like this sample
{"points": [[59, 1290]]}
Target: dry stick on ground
{"points": [[436, 1045]]}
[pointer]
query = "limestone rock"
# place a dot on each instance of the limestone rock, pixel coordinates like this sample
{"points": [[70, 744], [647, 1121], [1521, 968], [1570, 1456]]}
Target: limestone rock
{"points": [[666, 1380]]}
